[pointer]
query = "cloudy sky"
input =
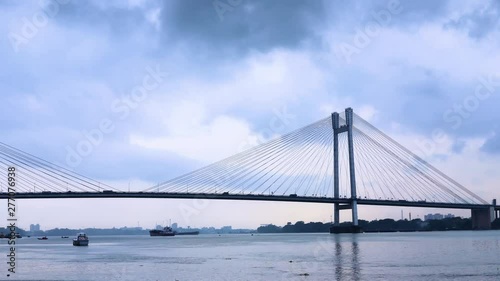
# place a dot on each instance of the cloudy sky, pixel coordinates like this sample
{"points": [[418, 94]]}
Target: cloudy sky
{"points": [[175, 85]]}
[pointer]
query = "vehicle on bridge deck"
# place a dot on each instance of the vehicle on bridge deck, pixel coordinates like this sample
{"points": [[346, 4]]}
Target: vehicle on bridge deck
{"points": [[293, 195], [81, 240], [108, 191]]}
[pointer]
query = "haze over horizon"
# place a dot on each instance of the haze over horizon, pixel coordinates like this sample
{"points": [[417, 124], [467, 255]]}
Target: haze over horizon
{"points": [[133, 93]]}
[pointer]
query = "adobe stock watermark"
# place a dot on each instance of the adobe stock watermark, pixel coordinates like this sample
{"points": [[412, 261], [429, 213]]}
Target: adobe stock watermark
{"points": [[32, 25], [121, 108], [223, 6], [364, 36], [277, 125], [455, 116]]}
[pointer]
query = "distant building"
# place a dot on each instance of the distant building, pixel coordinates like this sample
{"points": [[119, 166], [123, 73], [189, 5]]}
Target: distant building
{"points": [[34, 227], [437, 216], [226, 229], [159, 227], [175, 225]]}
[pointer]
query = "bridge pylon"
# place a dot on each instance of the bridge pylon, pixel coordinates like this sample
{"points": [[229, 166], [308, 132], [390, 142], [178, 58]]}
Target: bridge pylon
{"points": [[353, 205]]}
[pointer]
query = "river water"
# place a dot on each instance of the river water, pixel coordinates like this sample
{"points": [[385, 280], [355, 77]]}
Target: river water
{"points": [[459, 255]]}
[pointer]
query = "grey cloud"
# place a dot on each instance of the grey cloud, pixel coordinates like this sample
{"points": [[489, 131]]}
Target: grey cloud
{"points": [[480, 22], [439, 104], [411, 12], [423, 103], [118, 20], [264, 25], [416, 97], [252, 25], [418, 11], [492, 145]]}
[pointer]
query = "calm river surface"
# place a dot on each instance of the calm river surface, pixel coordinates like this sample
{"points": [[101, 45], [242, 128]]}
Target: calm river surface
{"points": [[439, 256]]}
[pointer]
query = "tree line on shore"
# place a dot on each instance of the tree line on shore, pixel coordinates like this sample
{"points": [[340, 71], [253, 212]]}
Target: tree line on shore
{"points": [[384, 225]]}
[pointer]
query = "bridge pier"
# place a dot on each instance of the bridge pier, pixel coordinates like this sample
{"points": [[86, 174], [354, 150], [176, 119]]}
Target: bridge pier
{"points": [[351, 228], [336, 214], [336, 208], [482, 218], [497, 211], [349, 119]]}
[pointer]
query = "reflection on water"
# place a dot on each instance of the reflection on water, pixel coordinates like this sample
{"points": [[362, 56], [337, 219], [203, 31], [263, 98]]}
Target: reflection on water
{"points": [[347, 264]]}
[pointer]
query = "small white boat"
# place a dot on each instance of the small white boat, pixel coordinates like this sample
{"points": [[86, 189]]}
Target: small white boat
{"points": [[81, 240]]}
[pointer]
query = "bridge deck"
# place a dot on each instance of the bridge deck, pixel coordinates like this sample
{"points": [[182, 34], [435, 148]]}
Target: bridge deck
{"points": [[250, 197]]}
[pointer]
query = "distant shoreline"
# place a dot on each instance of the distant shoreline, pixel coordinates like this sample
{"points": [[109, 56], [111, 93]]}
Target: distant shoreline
{"points": [[375, 226], [119, 231], [380, 226]]}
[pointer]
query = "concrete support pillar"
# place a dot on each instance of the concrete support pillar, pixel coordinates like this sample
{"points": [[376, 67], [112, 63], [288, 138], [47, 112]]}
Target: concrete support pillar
{"points": [[482, 218], [494, 203], [335, 125], [352, 175]]}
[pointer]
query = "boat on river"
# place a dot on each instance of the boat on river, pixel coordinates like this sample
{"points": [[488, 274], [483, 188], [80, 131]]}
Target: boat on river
{"points": [[166, 231], [81, 240], [187, 233]]}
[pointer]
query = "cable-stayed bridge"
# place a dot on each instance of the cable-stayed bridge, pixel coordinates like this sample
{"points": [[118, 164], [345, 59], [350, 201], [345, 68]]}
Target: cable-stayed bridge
{"points": [[341, 160]]}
